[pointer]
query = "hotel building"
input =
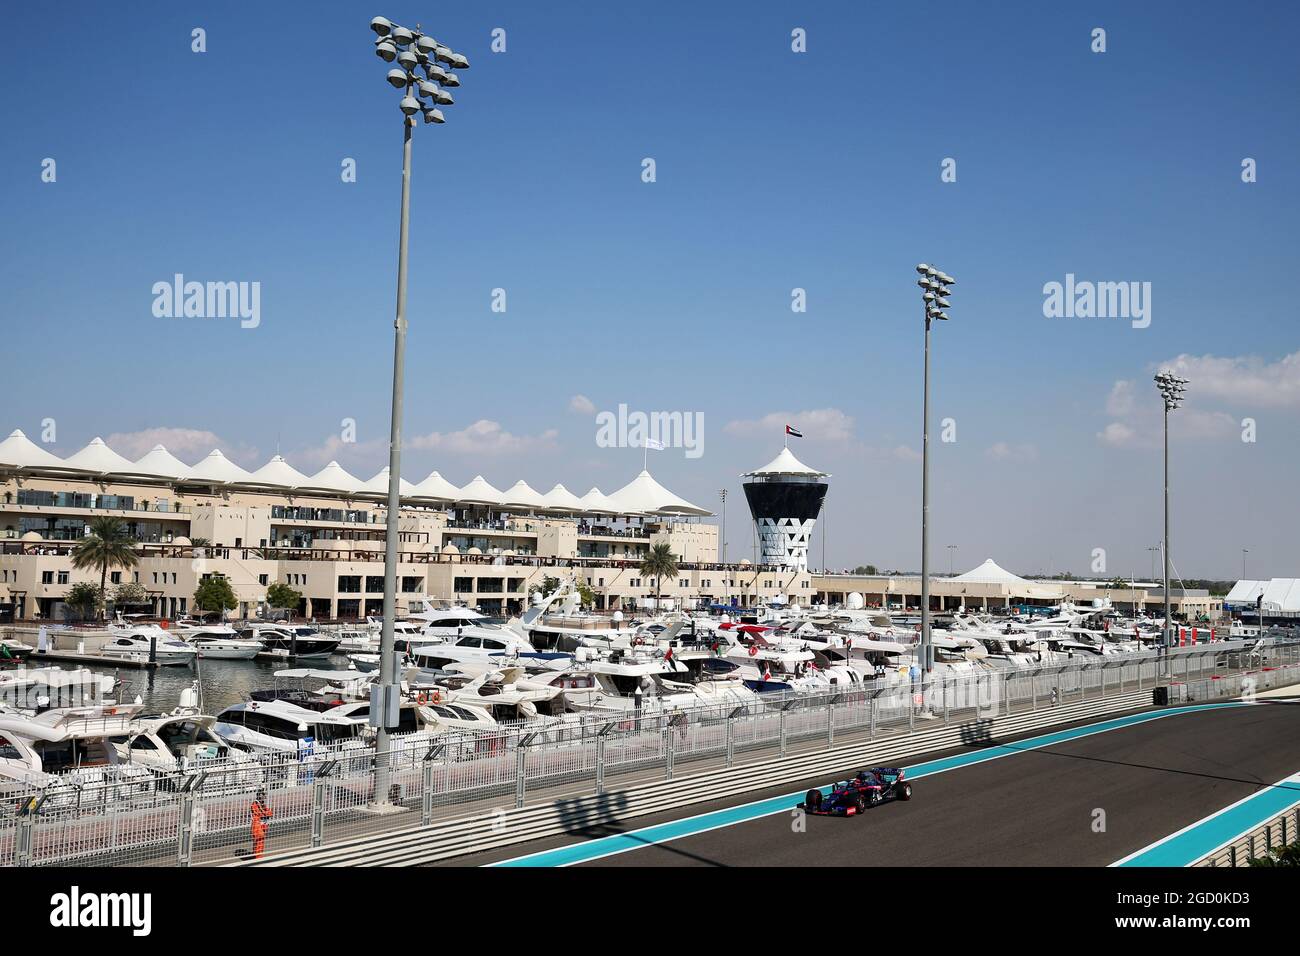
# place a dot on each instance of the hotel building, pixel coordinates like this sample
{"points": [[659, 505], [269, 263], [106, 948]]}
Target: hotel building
{"points": [[324, 534]]}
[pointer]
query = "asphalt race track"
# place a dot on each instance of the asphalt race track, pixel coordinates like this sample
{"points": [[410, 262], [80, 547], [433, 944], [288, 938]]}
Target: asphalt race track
{"points": [[1033, 808]]}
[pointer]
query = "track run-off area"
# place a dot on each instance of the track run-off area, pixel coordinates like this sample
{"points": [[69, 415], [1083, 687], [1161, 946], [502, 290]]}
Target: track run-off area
{"points": [[1155, 788]]}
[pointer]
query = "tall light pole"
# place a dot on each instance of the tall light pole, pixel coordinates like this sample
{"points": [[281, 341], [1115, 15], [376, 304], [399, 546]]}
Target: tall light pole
{"points": [[726, 587], [1171, 389], [934, 285], [951, 549], [413, 51], [1244, 552]]}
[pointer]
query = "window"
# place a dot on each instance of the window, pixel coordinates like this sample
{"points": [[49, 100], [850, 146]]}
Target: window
{"points": [[350, 584], [115, 577], [375, 583], [47, 577], [412, 585], [262, 580]]}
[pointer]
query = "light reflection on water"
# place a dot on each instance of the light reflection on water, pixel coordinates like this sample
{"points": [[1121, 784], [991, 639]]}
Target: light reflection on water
{"points": [[222, 683]]}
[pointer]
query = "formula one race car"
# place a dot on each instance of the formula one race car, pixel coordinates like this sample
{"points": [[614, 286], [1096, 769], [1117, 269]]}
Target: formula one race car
{"points": [[867, 788]]}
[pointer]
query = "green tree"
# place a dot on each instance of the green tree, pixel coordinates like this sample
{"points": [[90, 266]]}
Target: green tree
{"points": [[215, 594], [106, 545], [280, 594], [548, 587], [587, 594], [659, 563], [128, 594], [865, 569], [84, 597], [1288, 855]]}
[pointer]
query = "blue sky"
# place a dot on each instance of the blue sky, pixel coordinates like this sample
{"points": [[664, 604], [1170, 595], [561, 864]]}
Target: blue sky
{"points": [[775, 170]]}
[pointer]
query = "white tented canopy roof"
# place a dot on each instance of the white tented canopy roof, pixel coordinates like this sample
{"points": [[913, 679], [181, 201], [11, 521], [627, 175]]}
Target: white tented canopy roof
{"points": [[990, 572], [378, 485], [98, 459], [1245, 592], [217, 469], [435, 488], [1281, 596], [479, 492], [160, 463], [786, 464], [522, 495], [560, 498], [595, 502], [278, 473], [644, 495], [19, 451], [333, 477]]}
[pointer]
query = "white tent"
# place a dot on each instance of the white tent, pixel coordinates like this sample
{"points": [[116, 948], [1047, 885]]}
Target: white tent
{"points": [[522, 495], [334, 478], [1282, 596], [435, 488], [595, 502], [644, 495], [378, 485], [560, 498], [1245, 593], [19, 451], [479, 492], [217, 469], [278, 473], [160, 463], [990, 572], [98, 459], [786, 464]]}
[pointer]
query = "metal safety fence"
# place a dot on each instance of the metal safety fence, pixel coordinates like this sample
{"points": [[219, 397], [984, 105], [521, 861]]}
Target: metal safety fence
{"points": [[1258, 844], [249, 805]]}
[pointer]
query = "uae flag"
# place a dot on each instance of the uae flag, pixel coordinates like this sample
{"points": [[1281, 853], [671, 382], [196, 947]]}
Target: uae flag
{"points": [[791, 430]]}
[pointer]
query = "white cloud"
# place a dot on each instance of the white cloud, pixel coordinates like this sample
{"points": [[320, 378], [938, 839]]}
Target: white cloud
{"points": [[819, 424], [1242, 381], [187, 444], [582, 405], [485, 437], [1120, 401], [1117, 435], [1002, 451]]}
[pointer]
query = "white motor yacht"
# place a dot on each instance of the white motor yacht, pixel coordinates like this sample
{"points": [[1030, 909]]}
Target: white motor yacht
{"points": [[219, 642], [67, 747], [145, 642]]}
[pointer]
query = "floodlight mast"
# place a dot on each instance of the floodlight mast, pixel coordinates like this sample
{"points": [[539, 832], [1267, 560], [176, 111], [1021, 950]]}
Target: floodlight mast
{"points": [[411, 50]]}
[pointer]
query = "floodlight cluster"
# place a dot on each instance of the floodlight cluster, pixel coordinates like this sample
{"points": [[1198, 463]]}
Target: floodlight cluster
{"points": [[422, 71], [936, 289], [1171, 388]]}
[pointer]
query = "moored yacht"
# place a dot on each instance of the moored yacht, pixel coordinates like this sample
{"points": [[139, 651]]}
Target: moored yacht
{"points": [[145, 642]]}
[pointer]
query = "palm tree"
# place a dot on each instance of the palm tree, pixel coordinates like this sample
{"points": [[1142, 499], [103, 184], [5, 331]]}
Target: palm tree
{"points": [[106, 545], [659, 563]]}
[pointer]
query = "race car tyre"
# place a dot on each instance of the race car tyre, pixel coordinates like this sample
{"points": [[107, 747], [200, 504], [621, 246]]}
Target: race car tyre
{"points": [[859, 803], [813, 800], [905, 793]]}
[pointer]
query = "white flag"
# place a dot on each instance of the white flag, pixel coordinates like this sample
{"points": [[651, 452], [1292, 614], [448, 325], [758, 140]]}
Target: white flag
{"points": [[654, 443]]}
